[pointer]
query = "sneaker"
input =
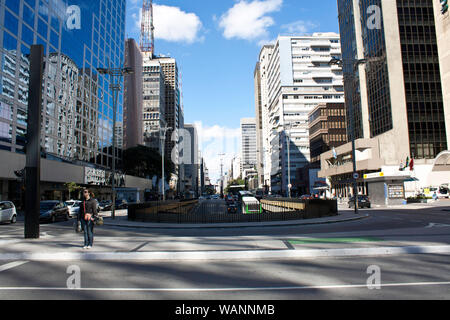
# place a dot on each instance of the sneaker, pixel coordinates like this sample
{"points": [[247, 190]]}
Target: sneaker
{"points": [[85, 247], [89, 247]]}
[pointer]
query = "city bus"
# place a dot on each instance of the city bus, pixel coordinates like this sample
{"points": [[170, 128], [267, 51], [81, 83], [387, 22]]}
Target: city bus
{"points": [[249, 204]]}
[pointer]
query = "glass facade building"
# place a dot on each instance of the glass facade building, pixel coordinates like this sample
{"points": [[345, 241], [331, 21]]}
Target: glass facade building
{"points": [[349, 56], [78, 37], [377, 75], [421, 71]]}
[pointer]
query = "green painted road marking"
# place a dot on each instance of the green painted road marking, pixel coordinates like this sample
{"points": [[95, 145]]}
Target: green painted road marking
{"points": [[333, 240]]}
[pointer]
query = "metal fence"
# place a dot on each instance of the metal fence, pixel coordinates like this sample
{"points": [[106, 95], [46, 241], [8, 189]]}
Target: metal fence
{"points": [[216, 211]]}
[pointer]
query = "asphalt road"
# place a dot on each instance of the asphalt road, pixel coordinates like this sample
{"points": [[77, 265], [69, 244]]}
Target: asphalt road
{"points": [[403, 277], [412, 276]]}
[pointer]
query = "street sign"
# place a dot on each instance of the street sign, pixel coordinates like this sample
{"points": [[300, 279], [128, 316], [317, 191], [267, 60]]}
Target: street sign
{"points": [[374, 175], [356, 175]]}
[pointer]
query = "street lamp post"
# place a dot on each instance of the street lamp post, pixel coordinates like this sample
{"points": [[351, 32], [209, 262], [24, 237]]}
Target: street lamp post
{"points": [[288, 141], [115, 75], [162, 137], [339, 62], [221, 173]]}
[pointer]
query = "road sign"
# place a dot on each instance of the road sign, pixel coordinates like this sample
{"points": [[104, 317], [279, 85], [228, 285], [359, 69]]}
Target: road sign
{"points": [[356, 175]]}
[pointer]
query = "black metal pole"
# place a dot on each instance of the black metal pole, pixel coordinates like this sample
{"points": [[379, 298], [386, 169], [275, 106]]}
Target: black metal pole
{"points": [[33, 149]]}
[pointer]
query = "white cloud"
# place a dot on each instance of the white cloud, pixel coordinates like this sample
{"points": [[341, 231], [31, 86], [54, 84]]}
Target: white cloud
{"points": [[299, 27], [174, 25], [215, 140], [249, 20]]}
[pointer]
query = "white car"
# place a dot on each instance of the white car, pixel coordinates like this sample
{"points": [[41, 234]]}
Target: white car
{"points": [[74, 207], [8, 212]]}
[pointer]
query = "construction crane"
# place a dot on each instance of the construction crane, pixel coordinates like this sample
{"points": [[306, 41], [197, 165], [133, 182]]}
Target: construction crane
{"points": [[147, 29]]}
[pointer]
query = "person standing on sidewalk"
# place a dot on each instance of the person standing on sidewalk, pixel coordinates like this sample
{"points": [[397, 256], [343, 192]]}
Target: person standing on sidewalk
{"points": [[88, 209]]}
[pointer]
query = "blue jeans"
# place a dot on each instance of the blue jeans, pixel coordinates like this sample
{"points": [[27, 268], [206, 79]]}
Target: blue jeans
{"points": [[88, 227]]}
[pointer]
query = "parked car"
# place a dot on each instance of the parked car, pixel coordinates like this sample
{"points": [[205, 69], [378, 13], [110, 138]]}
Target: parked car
{"points": [[98, 205], [215, 197], [8, 212], [105, 205], [52, 210], [306, 197], [74, 207], [232, 207], [121, 204], [363, 202]]}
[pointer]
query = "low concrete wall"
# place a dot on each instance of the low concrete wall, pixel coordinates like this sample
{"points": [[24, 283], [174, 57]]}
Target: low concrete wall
{"points": [[314, 208]]}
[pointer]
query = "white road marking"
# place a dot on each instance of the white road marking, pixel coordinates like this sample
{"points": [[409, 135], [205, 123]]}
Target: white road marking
{"points": [[431, 225], [340, 286], [225, 255], [11, 265]]}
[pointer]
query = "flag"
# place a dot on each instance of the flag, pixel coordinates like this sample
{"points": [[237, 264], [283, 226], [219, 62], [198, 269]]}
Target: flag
{"points": [[411, 165], [407, 162], [401, 167]]}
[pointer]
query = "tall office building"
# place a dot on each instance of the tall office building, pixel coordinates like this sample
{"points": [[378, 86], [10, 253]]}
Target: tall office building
{"points": [[173, 112], [259, 126], [442, 25], [189, 158], [395, 101], [154, 102], [77, 115], [295, 77], [261, 76], [248, 147], [133, 96]]}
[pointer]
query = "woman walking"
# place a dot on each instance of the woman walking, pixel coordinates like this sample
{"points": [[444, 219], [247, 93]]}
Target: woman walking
{"points": [[88, 209]]}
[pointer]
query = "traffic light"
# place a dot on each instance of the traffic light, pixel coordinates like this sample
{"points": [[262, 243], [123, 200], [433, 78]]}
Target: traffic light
{"points": [[444, 4]]}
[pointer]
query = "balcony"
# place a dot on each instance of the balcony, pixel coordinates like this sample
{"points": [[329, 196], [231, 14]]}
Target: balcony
{"points": [[321, 43], [319, 59]]}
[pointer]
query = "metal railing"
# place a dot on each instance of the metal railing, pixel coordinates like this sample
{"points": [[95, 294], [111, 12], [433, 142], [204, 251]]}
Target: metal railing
{"points": [[217, 211]]}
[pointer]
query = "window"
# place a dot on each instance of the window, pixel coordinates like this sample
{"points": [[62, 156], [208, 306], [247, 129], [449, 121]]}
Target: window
{"points": [[11, 22]]}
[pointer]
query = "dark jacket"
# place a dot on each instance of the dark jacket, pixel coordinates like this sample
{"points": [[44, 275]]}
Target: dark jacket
{"points": [[90, 206]]}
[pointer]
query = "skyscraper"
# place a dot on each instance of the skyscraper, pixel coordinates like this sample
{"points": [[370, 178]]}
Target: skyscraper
{"points": [[395, 100], [133, 97], [248, 147], [77, 115], [259, 125], [154, 102], [170, 111], [189, 159], [295, 77]]}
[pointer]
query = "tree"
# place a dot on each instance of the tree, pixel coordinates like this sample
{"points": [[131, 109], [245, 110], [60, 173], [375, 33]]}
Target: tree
{"points": [[145, 162], [236, 182], [71, 187]]}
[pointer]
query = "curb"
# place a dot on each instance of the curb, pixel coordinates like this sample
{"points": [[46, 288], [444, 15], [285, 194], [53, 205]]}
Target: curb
{"points": [[226, 255], [152, 225]]}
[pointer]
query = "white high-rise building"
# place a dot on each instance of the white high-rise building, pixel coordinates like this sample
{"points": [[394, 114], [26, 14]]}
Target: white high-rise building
{"points": [[154, 104], [294, 77], [248, 144]]}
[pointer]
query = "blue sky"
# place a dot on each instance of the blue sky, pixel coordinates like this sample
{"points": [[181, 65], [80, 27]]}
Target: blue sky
{"points": [[216, 44]]}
